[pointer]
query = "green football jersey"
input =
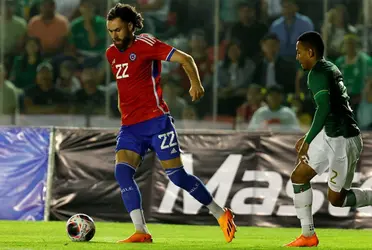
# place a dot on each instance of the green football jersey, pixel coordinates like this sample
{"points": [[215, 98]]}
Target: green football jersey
{"points": [[326, 77]]}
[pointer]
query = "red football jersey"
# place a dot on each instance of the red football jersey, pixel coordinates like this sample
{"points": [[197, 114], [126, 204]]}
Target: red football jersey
{"points": [[137, 71]]}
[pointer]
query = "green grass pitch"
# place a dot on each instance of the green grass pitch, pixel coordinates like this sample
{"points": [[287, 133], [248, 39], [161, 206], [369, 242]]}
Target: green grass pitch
{"points": [[52, 235]]}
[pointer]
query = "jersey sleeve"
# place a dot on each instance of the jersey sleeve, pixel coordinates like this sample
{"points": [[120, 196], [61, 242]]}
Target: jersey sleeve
{"points": [[318, 84], [108, 56], [161, 51]]}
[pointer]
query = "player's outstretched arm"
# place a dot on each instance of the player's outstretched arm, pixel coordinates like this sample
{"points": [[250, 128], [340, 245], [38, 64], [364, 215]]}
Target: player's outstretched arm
{"points": [[189, 65]]}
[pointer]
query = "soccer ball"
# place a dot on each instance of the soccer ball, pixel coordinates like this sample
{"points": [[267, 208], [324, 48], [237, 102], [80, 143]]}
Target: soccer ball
{"points": [[80, 227]]}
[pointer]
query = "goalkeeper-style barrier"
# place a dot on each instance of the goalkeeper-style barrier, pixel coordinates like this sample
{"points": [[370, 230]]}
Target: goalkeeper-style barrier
{"points": [[53, 173]]}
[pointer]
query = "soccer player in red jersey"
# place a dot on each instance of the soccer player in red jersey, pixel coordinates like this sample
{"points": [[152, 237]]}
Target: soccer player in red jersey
{"points": [[146, 122]]}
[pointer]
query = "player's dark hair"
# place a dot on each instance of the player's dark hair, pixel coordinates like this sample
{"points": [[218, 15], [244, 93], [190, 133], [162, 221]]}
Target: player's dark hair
{"points": [[247, 4], [275, 89], [24, 57], [255, 86], [126, 13], [270, 36], [290, 1], [314, 41], [48, 1], [227, 61], [86, 1]]}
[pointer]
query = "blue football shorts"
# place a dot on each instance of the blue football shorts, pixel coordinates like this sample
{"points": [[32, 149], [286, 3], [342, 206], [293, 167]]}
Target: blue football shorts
{"points": [[157, 134]]}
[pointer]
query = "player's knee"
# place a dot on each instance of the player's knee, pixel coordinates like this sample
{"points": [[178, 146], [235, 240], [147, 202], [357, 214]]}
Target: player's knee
{"points": [[177, 175], [336, 202], [124, 172], [302, 174], [336, 199]]}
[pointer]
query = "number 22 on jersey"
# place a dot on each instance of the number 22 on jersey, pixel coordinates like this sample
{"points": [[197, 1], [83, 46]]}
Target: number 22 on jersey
{"points": [[164, 143], [122, 71]]}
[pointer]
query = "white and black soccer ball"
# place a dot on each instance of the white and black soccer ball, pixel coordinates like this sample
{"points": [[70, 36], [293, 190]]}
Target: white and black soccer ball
{"points": [[80, 227]]}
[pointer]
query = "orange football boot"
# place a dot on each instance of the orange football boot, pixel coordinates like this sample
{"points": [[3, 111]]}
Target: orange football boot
{"points": [[227, 224], [138, 238], [302, 241]]}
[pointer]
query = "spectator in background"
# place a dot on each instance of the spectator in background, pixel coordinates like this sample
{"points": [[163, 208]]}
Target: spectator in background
{"points": [[235, 75], [155, 13], [274, 117], [289, 27], [67, 7], [236, 70], [50, 27], [270, 10], [356, 67], [43, 97], [222, 43], [273, 69], [297, 105], [24, 67], [248, 31], [15, 29], [175, 103], [9, 94], [90, 100], [334, 29], [364, 112], [88, 32], [66, 81], [364, 28], [22, 9], [31, 8], [254, 101], [228, 12]]}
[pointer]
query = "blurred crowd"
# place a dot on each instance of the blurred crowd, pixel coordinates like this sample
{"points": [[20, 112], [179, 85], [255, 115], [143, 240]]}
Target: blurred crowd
{"points": [[54, 58]]}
